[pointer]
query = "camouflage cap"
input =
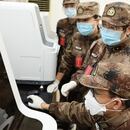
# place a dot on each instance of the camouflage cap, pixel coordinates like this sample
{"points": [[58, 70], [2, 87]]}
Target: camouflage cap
{"points": [[110, 76], [70, 2], [117, 13], [87, 10]]}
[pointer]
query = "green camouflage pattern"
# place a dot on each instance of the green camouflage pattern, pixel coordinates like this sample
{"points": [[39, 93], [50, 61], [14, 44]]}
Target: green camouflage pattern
{"points": [[87, 10], [65, 30], [117, 13], [79, 45], [112, 70]]}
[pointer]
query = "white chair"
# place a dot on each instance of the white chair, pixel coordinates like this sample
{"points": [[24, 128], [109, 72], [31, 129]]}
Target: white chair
{"points": [[47, 121]]}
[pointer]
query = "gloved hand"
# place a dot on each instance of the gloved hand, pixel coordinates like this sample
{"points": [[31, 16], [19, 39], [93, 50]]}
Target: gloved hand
{"points": [[36, 101], [67, 87], [53, 87]]}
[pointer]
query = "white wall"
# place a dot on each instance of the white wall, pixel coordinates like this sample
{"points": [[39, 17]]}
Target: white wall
{"points": [[56, 13]]}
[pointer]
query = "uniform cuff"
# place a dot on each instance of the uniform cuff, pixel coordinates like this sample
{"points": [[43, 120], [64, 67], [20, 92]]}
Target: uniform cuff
{"points": [[52, 108]]}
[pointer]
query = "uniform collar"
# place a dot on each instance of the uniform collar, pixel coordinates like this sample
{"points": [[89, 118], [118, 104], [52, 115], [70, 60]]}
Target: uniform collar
{"points": [[71, 20], [115, 121], [92, 38], [119, 47]]}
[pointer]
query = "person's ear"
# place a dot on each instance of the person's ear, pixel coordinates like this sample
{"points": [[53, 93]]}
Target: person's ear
{"points": [[117, 104], [128, 31]]}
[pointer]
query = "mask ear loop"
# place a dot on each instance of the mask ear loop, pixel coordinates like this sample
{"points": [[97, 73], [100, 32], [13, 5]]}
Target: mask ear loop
{"points": [[119, 110], [128, 35]]}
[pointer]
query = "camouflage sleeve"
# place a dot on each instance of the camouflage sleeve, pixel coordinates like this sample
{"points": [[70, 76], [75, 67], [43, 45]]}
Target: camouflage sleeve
{"points": [[67, 62], [61, 26], [71, 112], [58, 27]]}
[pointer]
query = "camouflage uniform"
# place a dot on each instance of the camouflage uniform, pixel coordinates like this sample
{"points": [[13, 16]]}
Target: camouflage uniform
{"points": [[112, 76], [78, 46], [117, 14], [65, 29], [77, 49], [70, 2]]}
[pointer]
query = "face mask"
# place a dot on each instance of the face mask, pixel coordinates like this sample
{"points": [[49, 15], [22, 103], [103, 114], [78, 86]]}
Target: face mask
{"points": [[93, 106], [85, 29], [70, 12], [110, 37], [96, 108]]}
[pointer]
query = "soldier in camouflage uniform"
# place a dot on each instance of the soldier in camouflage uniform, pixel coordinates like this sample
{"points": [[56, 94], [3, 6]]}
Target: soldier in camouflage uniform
{"points": [[107, 103], [66, 26], [87, 21], [65, 29], [113, 45]]}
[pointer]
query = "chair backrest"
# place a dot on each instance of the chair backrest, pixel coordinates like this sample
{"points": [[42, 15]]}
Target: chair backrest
{"points": [[44, 118]]}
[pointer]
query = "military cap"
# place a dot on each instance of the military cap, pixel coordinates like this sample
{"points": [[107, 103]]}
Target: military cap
{"points": [[117, 13], [114, 77], [87, 10], [70, 2]]}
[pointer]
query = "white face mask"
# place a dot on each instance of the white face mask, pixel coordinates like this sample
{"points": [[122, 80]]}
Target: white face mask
{"points": [[93, 106], [96, 108]]}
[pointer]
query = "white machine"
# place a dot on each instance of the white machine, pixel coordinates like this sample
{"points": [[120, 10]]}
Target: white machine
{"points": [[32, 54]]}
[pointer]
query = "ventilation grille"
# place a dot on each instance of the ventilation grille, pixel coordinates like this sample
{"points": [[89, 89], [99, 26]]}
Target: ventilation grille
{"points": [[43, 4]]}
